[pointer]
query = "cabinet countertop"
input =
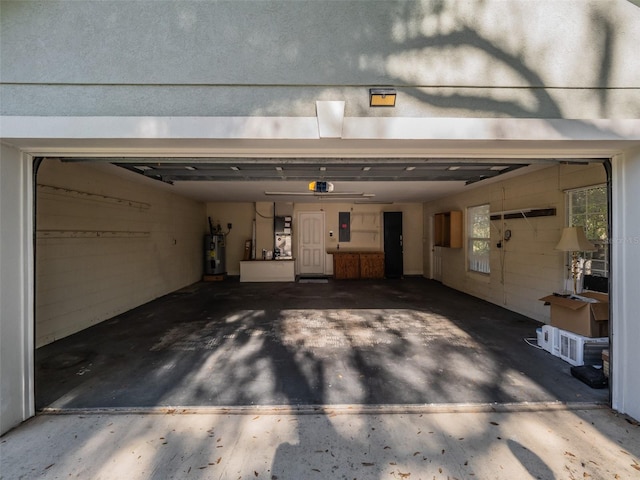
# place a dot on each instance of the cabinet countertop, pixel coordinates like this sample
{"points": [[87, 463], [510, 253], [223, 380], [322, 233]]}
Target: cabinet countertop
{"points": [[333, 251]]}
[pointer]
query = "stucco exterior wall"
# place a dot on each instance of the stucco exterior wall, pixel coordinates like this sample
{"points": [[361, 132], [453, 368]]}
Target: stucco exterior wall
{"points": [[451, 58], [527, 267], [105, 245]]}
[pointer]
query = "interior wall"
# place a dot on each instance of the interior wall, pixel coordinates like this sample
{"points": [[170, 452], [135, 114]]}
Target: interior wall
{"points": [[106, 245], [264, 213], [241, 216], [527, 267], [366, 229]]}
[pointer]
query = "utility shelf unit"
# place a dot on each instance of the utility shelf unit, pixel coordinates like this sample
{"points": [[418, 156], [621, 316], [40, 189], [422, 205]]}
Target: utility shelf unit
{"points": [[365, 222], [447, 229]]}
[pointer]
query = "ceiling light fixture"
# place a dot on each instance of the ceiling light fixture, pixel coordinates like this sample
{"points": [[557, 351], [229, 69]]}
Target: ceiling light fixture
{"points": [[296, 194], [382, 97], [324, 195], [341, 199]]}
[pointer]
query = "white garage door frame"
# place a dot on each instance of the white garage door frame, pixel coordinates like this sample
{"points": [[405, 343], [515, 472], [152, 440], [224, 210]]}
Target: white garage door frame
{"points": [[27, 137]]}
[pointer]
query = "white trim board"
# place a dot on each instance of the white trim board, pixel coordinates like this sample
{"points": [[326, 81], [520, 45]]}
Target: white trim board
{"points": [[18, 128]]}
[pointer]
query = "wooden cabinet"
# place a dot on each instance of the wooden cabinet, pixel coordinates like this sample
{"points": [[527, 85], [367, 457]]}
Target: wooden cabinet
{"points": [[354, 265], [372, 265], [346, 265], [447, 229]]}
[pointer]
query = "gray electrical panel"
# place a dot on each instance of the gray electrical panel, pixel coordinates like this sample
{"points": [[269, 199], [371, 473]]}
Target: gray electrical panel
{"points": [[344, 226]]}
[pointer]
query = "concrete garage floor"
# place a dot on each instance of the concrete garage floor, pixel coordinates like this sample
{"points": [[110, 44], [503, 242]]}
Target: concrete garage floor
{"points": [[401, 342]]}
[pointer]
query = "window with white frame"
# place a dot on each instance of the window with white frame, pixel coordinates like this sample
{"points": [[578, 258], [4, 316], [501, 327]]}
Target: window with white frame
{"points": [[588, 208], [478, 238]]}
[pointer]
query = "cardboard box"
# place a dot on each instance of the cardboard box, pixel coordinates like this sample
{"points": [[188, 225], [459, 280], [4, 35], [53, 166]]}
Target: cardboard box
{"points": [[577, 316]]}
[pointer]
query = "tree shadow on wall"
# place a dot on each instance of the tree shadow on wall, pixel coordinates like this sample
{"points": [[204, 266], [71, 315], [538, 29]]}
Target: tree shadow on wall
{"points": [[466, 40]]}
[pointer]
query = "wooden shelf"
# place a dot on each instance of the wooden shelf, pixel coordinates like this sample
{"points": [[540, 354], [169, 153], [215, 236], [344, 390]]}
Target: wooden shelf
{"points": [[366, 231], [365, 222], [447, 231], [374, 216]]}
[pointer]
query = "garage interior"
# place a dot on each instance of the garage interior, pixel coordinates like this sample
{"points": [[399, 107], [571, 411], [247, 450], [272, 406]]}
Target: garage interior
{"points": [[124, 320]]}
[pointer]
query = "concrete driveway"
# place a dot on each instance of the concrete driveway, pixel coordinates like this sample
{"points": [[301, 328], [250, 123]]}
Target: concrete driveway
{"points": [[260, 443]]}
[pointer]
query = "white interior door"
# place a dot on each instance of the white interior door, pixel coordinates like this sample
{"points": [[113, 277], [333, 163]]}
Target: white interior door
{"points": [[311, 243]]}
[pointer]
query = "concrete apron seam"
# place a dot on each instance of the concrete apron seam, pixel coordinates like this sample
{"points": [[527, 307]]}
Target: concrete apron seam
{"points": [[332, 409]]}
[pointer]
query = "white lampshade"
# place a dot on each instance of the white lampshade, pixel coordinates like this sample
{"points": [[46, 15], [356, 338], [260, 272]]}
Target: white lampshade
{"points": [[574, 240]]}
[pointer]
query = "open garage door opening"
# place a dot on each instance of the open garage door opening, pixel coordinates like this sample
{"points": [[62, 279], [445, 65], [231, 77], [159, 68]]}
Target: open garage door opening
{"points": [[125, 320]]}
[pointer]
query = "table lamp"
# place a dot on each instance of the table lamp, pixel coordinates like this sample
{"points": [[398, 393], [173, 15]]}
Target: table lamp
{"points": [[574, 240]]}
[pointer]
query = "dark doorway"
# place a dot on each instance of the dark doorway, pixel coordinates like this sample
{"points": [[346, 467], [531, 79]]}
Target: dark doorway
{"points": [[393, 267]]}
